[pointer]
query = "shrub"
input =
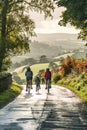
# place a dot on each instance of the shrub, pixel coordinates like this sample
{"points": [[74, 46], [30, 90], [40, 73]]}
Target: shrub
{"points": [[83, 76], [17, 79], [5, 81], [56, 77]]}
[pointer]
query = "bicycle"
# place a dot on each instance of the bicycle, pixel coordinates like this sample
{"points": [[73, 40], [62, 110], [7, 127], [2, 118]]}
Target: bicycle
{"points": [[28, 86], [48, 85], [37, 87]]}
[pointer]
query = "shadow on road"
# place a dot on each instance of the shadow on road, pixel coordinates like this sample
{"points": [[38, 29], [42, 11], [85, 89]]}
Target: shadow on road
{"points": [[27, 95], [38, 93], [62, 116], [11, 126]]}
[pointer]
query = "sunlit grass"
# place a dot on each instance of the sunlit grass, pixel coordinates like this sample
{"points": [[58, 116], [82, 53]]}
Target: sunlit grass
{"points": [[76, 84], [9, 94], [64, 55], [35, 68]]}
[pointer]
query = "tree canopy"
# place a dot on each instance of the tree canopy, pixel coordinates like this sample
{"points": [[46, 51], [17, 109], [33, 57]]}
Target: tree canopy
{"points": [[16, 26], [75, 13]]}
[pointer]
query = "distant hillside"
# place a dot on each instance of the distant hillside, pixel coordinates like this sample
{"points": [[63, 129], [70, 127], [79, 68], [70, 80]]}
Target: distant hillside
{"points": [[63, 40], [54, 44], [51, 45], [56, 37]]}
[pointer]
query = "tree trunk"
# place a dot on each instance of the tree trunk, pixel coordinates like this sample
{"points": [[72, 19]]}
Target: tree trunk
{"points": [[3, 32]]}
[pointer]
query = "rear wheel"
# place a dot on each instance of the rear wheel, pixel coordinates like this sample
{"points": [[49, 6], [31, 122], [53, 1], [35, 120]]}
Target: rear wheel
{"points": [[29, 86], [37, 87], [48, 85]]}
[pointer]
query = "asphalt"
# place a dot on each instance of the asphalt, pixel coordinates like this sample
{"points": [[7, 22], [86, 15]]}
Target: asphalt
{"points": [[61, 109]]}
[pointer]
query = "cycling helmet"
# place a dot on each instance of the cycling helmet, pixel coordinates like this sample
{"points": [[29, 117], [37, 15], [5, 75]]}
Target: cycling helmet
{"points": [[47, 69], [28, 68]]}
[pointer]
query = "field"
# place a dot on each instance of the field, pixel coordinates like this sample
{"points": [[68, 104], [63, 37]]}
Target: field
{"points": [[35, 68]]}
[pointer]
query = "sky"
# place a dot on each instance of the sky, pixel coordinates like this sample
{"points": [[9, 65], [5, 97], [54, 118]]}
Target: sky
{"points": [[51, 25]]}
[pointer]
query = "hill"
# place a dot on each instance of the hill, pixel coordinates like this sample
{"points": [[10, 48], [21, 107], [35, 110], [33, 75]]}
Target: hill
{"points": [[51, 45], [54, 37]]}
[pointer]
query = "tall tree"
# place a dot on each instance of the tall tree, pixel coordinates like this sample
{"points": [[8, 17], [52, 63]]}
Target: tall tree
{"points": [[75, 13], [16, 26]]}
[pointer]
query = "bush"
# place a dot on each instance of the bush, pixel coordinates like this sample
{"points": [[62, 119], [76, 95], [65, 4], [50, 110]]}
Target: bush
{"points": [[9, 95], [83, 76], [17, 79], [5, 81], [56, 78]]}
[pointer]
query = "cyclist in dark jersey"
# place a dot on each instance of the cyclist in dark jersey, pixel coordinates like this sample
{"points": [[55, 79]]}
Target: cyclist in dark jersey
{"points": [[37, 82], [29, 76]]}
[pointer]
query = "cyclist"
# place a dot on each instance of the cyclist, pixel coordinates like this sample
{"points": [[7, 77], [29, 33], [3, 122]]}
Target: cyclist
{"points": [[48, 76], [37, 82], [42, 77], [29, 76]]}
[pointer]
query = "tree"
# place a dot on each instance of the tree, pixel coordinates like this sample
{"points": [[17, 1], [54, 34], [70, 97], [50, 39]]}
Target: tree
{"points": [[75, 13], [16, 26], [43, 59]]}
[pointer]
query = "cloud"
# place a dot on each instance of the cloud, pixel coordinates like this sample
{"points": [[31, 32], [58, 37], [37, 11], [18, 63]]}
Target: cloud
{"points": [[51, 26]]}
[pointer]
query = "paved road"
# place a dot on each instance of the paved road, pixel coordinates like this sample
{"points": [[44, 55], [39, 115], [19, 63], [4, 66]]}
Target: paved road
{"points": [[59, 110]]}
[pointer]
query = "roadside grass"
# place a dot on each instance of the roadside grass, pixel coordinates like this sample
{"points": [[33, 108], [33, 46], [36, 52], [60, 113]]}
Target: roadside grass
{"points": [[77, 84], [10, 94], [37, 67]]}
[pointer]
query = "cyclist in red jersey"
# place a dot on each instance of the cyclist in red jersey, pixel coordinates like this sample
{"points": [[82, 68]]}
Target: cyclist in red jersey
{"points": [[47, 76]]}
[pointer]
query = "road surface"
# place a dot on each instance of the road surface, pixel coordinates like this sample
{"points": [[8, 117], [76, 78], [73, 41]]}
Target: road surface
{"points": [[58, 110]]}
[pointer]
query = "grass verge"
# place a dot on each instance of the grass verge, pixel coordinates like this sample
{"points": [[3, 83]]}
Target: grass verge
{"points": [[10, 94], [77, 84]]}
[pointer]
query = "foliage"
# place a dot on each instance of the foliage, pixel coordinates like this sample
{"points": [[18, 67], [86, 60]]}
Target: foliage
{"points": [[52, 65], [43, 59], [5, 81], [75, 13], [16, 26], [28, 61], [73, 65], [56, 77]]}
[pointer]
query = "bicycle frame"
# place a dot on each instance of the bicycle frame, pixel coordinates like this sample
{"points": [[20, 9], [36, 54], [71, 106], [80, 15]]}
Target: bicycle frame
{"points": [[37, 87], [28, 85]]}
